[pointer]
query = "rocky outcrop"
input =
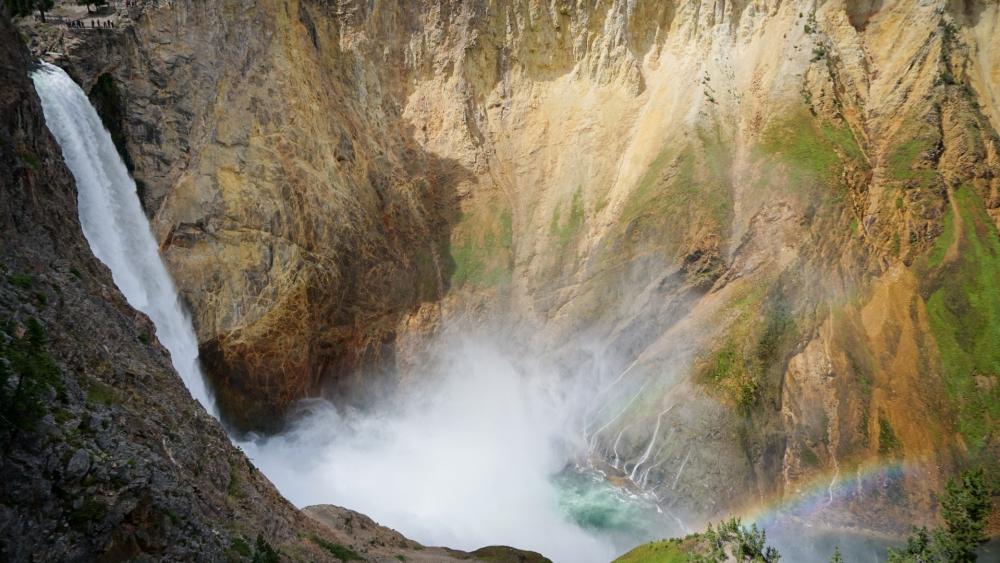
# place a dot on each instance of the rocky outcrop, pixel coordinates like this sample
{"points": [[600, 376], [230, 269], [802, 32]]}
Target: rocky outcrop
{"points": [[367, 532], [779, 216]]}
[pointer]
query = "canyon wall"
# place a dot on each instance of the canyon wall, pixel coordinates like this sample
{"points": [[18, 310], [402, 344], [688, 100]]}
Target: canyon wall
{"points": [[778, 217]]}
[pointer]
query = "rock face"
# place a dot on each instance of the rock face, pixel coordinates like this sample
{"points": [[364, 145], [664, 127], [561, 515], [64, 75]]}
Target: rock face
{"points": [[781, 215], [105, 454]]}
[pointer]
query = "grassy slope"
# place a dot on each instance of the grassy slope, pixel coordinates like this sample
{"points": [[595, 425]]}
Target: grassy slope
{"points": [[813, 153], [690, 186], [964, 312], [664, 551]]}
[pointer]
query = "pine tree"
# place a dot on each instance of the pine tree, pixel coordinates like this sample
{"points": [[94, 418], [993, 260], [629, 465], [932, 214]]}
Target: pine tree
{"points": [[42, 6], [95, 3], [19, 7], [965, 506]]}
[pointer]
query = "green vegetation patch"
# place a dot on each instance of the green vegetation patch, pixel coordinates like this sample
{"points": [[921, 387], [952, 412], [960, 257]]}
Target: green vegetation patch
{"points": [[565, 231], [23, 281], [425, 269], [235, 487], [91, 511], [945, 241], [842, 138], [810, 458], [728, 370], [664, 551], [337, 550], [264, 553], [964, 312], [731, 541], [888, 443], [813, 153], [25, 7], [682, 201], [482, 248], [30, 159], [684, 187], [239, 546], [965, 507], [849, 336], [27, 374], [895, 244], [755, 345], [101, 394], [733, 373], [904, 163]]}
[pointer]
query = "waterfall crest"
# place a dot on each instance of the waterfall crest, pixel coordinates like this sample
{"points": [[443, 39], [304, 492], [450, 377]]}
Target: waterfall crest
{"points": [[113, 221]]}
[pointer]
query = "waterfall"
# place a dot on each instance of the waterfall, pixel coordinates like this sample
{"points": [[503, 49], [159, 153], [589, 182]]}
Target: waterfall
{"points": [[113, 221]]}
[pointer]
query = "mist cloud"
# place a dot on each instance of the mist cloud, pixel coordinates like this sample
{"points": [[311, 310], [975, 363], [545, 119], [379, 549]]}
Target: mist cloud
{"points": [[464, 460]]}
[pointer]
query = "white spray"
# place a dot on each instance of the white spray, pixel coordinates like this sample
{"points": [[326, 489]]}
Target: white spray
{"points": [[466, 460]]}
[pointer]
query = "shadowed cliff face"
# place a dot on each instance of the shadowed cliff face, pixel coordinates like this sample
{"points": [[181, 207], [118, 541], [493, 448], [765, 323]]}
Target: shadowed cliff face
{"points": [[778, 218]]}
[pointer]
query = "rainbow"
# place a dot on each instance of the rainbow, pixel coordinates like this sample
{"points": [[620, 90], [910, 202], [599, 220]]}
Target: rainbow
{"points": [[831, 489]]}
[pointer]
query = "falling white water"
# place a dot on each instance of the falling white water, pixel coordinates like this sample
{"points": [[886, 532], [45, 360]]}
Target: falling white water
{"points": [[114, 223]]}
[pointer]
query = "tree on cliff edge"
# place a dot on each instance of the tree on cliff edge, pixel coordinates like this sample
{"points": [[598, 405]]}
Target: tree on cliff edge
{"points": [[964, 508], [95, 3], [24, 7]]}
